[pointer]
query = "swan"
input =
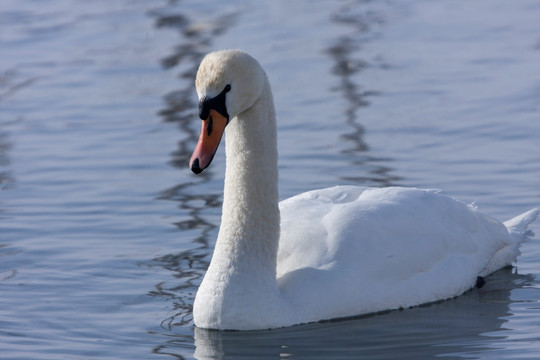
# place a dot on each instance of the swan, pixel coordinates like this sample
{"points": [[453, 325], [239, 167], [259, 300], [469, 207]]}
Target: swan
{"points": [[330, 253]]}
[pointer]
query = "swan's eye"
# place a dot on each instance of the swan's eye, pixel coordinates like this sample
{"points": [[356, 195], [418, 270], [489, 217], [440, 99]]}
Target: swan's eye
{"points": [[216, 103]]}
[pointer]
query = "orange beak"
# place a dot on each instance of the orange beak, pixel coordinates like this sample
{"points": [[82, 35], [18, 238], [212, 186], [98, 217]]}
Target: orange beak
{"points": [[211, 132]]}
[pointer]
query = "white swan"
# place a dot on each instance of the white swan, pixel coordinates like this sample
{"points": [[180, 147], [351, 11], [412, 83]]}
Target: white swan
{"points": [[342, 251]]}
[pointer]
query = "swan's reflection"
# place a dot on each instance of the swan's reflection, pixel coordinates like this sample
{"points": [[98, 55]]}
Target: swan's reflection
{"points": [[455, 328]]}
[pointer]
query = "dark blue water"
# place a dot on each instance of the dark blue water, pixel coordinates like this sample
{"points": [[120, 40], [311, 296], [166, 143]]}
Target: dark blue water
{"points": [[105, 234]]}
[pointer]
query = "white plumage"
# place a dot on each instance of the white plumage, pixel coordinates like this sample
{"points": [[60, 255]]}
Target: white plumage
{"points": [[328, 253]]}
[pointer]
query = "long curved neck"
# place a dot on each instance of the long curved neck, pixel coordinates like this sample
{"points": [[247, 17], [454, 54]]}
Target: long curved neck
{"points": [[241, 279], [249, 232]]}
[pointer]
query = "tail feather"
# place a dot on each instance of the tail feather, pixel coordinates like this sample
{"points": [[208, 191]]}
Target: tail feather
{"points": [[517, 227]]}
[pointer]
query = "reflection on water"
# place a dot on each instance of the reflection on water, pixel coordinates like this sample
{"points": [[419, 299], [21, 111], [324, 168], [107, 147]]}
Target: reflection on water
{"points": [[465, 326], [5, 178], [345, 54], [9, 85], [188, 268], [195, 205]]}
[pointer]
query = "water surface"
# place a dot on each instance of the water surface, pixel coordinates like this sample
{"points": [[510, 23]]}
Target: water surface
{"points": [[105, 234]]}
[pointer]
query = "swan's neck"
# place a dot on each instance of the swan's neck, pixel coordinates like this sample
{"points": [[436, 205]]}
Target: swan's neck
{"points": [[241, 279], [250, 221]]}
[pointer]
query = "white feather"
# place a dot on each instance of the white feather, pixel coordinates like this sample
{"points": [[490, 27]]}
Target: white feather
{"points": [[336, 252]]}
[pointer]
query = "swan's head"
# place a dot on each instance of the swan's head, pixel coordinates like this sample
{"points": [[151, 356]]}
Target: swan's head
{"points": [[228, 83]]}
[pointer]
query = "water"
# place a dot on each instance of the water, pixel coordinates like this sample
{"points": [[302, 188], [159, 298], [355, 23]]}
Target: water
{"points": [[105, 234]]}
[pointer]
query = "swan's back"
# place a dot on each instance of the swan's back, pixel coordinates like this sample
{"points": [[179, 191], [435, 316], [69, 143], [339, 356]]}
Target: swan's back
{"points": [[377, 249]]}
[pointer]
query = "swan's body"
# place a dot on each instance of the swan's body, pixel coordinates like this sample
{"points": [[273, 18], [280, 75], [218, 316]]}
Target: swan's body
{"points": [[342, 251]]}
